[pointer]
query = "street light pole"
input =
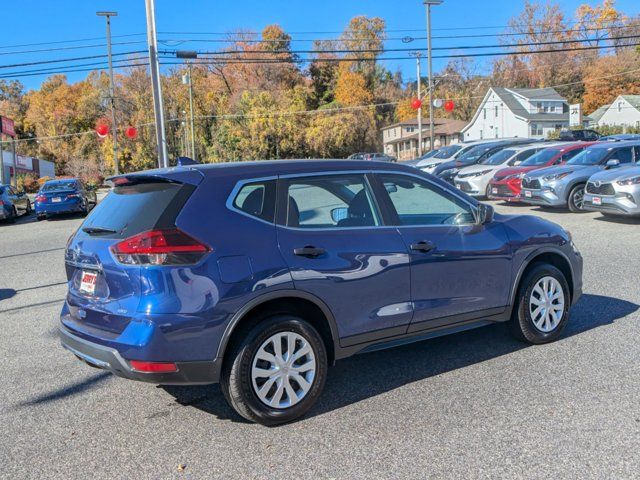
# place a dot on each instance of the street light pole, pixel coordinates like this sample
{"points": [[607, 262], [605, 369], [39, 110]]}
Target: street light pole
{"points": [[112, 99], [156, 87], [190, 54], [419, 88], [428, 4]]}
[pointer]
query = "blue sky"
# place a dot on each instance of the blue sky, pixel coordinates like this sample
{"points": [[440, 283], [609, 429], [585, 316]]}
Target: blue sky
{"points": [[31, 22]]}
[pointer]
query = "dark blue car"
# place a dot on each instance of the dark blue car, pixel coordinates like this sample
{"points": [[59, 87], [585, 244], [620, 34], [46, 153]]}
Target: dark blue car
{"points": [[66, 195], [261, 275], [13, 203]]}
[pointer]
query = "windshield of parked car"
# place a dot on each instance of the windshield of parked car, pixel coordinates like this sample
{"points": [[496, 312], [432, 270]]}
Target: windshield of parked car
{"points": [[446, 152], [50, 187], [540, 158], [589, 156], [429, 154], [500, 157], [474, 153]]}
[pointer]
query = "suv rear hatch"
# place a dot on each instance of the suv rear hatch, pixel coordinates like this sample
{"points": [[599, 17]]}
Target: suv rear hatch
{"points": [[105, 291]]}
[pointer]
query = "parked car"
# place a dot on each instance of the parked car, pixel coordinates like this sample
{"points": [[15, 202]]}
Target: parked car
{"points": [[416, 161], [448, 170], [448, 154], [506, 184], [474, 180], [584, 134], [614, 192], [620, 137], [13, 203], [563, 186], [291, 267], [378, 157], [67, 195]]}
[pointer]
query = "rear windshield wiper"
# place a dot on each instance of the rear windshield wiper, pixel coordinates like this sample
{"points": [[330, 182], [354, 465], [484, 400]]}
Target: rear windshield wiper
{"points": [[97, 230]]}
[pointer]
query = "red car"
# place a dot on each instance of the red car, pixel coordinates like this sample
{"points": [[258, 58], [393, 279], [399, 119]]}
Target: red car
{"points": [[507, 183]]}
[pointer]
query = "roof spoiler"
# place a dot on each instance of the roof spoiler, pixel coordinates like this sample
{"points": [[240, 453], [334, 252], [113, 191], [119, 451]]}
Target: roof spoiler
{"points": [[185, 161]]}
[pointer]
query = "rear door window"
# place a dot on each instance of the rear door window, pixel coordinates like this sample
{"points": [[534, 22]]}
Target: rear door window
{"points": [[624, 155], [135, 208], [257, 199]]}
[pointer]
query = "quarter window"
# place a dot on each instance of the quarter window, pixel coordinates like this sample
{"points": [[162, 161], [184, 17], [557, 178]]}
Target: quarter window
{"points": [[418, 202], [257, 199], [332, 201]]}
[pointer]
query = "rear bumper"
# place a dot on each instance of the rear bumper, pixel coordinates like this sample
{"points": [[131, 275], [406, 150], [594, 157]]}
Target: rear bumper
{"points": [[107, 358], [69, 206]]}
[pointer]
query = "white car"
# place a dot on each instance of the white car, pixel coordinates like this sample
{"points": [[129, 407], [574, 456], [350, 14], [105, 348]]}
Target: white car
{"points": [[448, 153], [474, 179]]}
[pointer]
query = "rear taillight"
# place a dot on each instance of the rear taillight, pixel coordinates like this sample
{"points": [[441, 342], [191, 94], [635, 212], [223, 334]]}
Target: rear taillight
{"points": [[1, 203], [41, 198], [160, 247]]}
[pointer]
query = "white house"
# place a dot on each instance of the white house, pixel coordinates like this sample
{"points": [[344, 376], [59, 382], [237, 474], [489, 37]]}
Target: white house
{"points": [[623, 111], [518, 112]]}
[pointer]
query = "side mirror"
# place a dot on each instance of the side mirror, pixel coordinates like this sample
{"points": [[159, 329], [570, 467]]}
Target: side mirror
{"points": [[614, 162], [517, 162], [485, 214], [339, 213], [390, 187]]}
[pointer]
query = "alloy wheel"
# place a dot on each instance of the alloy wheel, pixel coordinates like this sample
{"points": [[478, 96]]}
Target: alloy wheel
{"points": [[578, 198], [546, 304], [283, 370]]}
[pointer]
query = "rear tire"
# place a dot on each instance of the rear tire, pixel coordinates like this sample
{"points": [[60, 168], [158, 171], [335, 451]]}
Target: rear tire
{"points": [[542, 308], [14, 215], [262, 383], [29, 209], [576, 199], [40, 217]]}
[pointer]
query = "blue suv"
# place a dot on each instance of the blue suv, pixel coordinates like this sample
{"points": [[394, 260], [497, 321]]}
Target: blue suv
{"points": [[260, 275]]}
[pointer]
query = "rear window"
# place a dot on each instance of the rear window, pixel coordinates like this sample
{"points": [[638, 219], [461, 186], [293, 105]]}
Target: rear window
{"points": [[50, 187], [132, 209]]}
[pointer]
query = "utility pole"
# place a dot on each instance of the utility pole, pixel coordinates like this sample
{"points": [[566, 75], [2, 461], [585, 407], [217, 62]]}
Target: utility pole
{"points": [[189, 54], [2, 179], [156, 87], [15, 162], [419, 87], [428, 4], [112, 98]]}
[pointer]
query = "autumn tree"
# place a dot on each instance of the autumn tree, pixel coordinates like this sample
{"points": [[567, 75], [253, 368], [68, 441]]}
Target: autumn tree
{"points": [[610, 76]]}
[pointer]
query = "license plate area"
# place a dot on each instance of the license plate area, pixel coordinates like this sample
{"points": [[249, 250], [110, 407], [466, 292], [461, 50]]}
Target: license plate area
{"points": [[527, 193], [56, 199], [494, 190], [597, 201], [88, 281]]}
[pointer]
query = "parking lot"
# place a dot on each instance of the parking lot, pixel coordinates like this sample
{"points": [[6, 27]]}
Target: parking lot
{"points": [[474, 404]]}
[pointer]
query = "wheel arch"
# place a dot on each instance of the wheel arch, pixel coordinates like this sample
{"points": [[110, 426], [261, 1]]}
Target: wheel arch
{"points": [[295, 302], [549, 256]]}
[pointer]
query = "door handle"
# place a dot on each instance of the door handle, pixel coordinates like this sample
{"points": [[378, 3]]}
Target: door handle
{"points": [[309, 251], [423, 246]]}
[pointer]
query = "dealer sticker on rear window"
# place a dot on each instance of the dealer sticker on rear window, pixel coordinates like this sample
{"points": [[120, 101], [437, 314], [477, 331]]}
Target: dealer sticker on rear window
{"points": [[88, 282]]}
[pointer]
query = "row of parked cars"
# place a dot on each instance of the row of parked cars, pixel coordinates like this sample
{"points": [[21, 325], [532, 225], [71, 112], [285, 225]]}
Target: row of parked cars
{"points": [[601, 175], [67, 195]]}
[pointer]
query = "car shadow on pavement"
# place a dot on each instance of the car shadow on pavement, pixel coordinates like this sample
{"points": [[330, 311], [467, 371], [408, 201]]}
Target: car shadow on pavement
{"points": [[363, 376], [6, 293], [619, 220]]}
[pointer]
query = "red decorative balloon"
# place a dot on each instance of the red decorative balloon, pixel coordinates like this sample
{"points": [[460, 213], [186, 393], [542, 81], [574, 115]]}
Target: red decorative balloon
{"points": [[102, 130], [131, 132], [416, 103], [449, 105]]}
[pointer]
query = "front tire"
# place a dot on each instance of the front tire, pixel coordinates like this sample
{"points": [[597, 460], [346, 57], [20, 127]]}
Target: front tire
{"points": [[575, 201], [29, 209], [542, 310], [276, 373]]}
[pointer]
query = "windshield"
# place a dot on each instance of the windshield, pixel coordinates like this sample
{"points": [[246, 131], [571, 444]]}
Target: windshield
{"points": [[447, 152], [588, 156], [540, 158], [499, 158], [474, 153], [50, 187], [430, 154]]}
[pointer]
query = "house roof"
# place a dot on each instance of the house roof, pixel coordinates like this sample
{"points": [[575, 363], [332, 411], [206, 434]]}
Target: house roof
{"points": [[597, 114], [506, 95], [451, 127], [425, 122], [538, 93]]}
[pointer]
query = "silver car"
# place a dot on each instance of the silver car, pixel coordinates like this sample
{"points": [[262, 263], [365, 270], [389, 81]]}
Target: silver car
{"points": [[474, 179], [563, 186], [614, 192], [448, 153]]}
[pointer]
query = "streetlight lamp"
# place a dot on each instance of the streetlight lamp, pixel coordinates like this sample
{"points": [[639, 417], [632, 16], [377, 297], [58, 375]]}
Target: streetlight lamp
{"points": [[186, 79], [112, 99], [428, 4]]}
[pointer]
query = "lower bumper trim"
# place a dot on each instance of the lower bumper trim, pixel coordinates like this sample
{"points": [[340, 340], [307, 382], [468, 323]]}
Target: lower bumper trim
{"points": [[106, 358]]}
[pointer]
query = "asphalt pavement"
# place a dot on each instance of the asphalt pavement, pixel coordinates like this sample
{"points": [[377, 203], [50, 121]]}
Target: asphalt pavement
{"points": [[472, 405]]}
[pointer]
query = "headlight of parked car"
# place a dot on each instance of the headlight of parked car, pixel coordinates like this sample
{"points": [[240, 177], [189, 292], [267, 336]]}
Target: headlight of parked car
{"points": [[428, 167], [483, 172], [514, 176], [629, 181], [556, 176]]}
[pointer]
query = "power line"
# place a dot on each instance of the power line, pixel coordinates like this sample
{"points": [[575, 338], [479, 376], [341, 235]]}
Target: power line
{"points": [[76, 47], [47, 71], [62, 60]]}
